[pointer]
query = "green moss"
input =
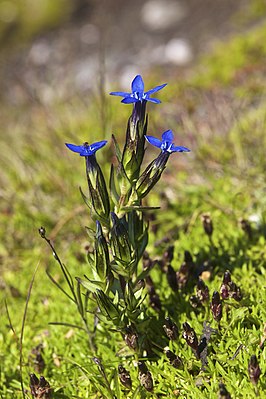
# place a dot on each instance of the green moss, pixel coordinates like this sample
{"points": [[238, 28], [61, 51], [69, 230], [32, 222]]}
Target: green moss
{"points": [[229, 60], [22, 20]]}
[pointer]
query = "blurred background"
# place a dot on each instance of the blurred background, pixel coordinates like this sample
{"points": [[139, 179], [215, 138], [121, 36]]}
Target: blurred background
{"points": [[56, 48], [61, 58]]}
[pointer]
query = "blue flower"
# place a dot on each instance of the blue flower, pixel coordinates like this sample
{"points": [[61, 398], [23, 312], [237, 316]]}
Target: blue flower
{"points": [[86, 149], [166, 144], [138, 93]]}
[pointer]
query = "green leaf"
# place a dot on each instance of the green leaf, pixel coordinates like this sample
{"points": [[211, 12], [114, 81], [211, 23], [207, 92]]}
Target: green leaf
{"points": [[85, 198], [92, 285], [139, 208], [117, 149], [112, 187]]}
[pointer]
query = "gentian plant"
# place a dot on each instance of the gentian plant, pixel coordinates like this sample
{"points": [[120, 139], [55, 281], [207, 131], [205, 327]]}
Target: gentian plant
{"points": [[115, 281]]}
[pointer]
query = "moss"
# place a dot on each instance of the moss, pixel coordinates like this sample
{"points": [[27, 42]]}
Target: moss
{"points": [[246, 51]]}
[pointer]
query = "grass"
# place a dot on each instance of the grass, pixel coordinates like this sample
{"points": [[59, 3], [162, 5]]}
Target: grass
{"points": [[222, 118]]}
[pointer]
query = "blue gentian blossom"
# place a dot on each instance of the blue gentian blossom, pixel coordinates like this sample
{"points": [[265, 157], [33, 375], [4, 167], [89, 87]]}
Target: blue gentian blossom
{"points": [[86, 149], [166, 144], [138, 93]]}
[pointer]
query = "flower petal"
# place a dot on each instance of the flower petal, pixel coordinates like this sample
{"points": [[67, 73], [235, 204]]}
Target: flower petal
{"points": [[75, 148], [153, 100], [119, 93], [154, 141], [86, 152], [157, 88], [96, 146], [175, 148], [168, 136], [137, 85], [129, 100]]}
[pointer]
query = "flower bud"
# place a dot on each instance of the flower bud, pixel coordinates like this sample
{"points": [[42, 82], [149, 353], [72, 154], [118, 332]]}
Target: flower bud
{"points": [[151, 174], [100, 204], [133, 152], [107, 307], [119, 241], [101, 254]]}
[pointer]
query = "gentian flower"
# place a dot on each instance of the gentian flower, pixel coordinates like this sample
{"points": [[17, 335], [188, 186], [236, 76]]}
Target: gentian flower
{"points": [[99, 199], [138, 93], [166, 144], [86, 149]]}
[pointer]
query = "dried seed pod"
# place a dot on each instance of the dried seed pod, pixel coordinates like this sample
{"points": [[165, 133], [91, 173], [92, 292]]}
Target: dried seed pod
{"points": [[155, 302], [36, 358], [40, 388], [168, 255], [131, 337], [246, 227], [153, 296], [202, 291], [223, 393], [170, 329], [235, 292], [171, 278], [42, 232], [124, 377], [194, 301], [229, 289], [145, 377], [139, 285], [216, 306], [224, 290], [191, 338], [207, 223], [147, 263], [254, 370], [174, 360], [185, 271]]}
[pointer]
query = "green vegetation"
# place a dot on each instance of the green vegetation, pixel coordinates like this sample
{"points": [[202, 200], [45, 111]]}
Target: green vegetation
{"points": [[222, 108], [24, 19]]}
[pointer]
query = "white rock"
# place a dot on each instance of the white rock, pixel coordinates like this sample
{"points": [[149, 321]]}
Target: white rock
{"points": [[162, 14], [178, 52], [89, 34], [40, 53]]}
